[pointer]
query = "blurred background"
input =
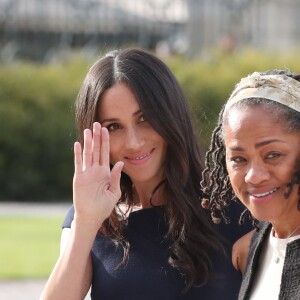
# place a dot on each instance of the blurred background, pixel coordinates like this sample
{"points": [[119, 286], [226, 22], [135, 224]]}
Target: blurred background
{"points": [[46, 48]]}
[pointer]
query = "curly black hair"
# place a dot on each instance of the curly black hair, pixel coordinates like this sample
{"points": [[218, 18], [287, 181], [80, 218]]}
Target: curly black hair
{"points": [[215, 183]]}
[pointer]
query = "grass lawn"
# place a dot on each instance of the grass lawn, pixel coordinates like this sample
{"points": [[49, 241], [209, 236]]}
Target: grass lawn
{"points": [[29, 246]]}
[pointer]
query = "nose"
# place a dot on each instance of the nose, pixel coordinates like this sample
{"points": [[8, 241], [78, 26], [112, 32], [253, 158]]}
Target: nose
{"points": [[134, 139], [258, 172]]}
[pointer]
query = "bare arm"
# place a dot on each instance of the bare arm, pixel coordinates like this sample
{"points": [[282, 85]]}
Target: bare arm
{"points": [[96, 191], [71, 276], [240, 251]]}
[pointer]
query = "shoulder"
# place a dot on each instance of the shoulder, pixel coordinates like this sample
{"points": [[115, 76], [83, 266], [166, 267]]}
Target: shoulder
{"points": [[240, 251]]}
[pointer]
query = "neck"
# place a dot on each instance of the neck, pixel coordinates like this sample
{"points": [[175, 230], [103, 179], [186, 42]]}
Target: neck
{"points": [[288, 231], [149, 195]]}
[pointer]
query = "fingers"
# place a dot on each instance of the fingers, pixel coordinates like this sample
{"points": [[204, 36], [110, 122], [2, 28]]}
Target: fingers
{"points": [[87, 149], [77, 158], [116, 176], [104, 152], [96, 146], [96, 142]]}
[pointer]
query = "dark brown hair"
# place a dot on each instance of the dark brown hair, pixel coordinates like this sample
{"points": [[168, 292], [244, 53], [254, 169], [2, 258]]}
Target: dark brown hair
{"points": [[164, 106]]}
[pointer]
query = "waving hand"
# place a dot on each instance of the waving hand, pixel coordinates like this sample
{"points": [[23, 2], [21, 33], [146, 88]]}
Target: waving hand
{"points": [[96, 188]]}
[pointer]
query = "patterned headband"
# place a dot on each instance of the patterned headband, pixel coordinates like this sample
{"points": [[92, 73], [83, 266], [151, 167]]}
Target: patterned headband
{"points": [[279, 88]]}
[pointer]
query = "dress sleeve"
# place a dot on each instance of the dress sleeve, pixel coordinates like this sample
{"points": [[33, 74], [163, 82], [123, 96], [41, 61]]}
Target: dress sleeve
{"points": [[69, 218], [229, 279]]}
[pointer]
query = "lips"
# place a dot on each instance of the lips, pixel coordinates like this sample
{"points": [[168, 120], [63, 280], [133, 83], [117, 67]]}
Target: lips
{"points": [[139, 157], [261, 195]]}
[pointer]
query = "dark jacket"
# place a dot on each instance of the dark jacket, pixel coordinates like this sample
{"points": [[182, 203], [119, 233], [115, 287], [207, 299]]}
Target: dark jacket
{"points": [[290, 280]]}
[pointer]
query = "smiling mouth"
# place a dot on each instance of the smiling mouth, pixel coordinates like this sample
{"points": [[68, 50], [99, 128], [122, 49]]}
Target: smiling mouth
{"points": [[264, 194], [140, 157]]}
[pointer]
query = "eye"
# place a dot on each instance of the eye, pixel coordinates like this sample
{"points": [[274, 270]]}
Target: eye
{"points": [[272, 155], [237, 159], [142, 119], [113, 127]]}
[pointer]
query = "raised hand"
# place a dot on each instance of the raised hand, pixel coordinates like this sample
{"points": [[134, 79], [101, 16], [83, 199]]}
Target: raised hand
{"points": [[96, 188]]}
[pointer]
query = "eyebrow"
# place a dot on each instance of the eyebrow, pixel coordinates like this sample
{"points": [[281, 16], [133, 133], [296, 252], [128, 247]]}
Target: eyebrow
{"points": [[257, 145], [116, 119]]}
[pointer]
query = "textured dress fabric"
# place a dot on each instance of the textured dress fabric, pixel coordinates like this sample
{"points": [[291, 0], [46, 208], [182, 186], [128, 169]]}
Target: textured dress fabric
{"points": [[290, 278], [147, 274]]}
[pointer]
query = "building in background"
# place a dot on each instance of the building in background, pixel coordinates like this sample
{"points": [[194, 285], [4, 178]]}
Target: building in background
{"points": [[42, 30], [46, 30], [269, 25]]}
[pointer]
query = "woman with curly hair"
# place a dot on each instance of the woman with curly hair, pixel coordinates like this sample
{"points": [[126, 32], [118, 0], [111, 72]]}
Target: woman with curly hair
{"points": [[254, 158]]}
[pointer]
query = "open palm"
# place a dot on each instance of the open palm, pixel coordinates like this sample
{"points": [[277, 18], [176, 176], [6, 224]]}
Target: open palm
{"points": [[96, 188]]}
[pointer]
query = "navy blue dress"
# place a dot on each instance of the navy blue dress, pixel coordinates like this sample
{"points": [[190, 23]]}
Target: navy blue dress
{"points": [[147, 274]]}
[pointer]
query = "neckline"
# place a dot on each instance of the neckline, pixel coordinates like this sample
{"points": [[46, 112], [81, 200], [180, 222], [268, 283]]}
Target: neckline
{"points": [[273, 232], [277, 240], [137, 210], [146, 209], [279, 245]]}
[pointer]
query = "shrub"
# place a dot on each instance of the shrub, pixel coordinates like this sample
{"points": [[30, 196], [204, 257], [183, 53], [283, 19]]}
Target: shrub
{"points": [[37, 131], [37, 117]]}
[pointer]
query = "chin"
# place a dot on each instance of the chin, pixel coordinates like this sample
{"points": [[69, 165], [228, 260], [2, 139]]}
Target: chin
{"points": [[263, 216]]}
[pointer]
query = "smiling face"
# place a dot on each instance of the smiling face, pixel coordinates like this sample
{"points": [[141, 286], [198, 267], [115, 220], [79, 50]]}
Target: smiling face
{"points": [[132, 138], [260, 160]]}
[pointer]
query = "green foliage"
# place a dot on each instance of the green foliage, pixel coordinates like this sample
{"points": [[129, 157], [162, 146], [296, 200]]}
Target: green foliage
{"points": [[208, 83], [37, 117], [29, 246], [37, 131]]}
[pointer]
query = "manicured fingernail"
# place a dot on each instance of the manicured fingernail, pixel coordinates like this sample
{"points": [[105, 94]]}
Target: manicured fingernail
{"points": [[96, 125]]}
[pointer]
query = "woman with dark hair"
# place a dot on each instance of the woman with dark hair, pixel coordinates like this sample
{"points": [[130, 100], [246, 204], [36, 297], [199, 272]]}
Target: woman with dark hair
{"points": [[254, 158], [138, 229]]}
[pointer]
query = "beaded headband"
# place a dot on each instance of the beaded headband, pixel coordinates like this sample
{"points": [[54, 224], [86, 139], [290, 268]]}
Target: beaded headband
{"points": [[280, 88]]}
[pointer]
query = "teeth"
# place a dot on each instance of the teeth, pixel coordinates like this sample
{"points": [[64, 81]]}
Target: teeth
{"points": [[264, 194], [141, 157]]}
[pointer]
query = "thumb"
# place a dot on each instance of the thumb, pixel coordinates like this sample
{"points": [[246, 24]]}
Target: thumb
{"points": [[116, 177]]}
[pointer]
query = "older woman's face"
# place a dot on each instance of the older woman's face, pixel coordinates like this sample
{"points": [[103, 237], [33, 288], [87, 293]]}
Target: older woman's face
{"points": [[260, 159]]}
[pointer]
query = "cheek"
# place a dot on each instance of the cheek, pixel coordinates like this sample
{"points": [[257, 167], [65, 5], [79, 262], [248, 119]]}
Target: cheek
{"points": [[156, 138], [114, 151], [235, 177], [164, 147], [112, 159], [229, 170]]}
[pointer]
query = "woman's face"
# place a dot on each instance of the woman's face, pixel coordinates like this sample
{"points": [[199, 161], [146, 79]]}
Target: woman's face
{"points": [[260, 159], [132, 139]]}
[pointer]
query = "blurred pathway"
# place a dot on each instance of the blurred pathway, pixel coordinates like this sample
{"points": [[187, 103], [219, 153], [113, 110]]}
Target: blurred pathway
{"points": [[33, 209], [21, 289]]}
